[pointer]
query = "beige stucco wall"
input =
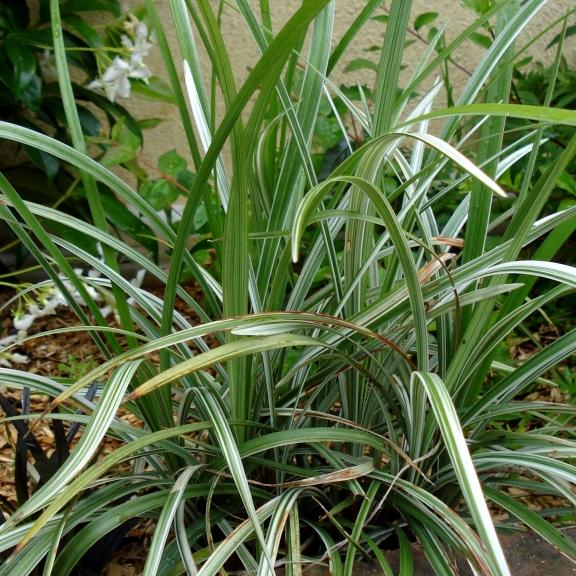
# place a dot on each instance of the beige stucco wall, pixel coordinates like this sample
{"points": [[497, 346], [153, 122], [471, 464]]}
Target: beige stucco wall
{"points": [[244, 54]]}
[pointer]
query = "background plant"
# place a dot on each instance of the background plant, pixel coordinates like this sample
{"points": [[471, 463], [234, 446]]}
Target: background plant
{"points": [[31, 98], [349, 397]]}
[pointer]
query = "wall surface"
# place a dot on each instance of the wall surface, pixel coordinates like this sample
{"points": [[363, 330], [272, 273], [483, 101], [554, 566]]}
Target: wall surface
{"points": [[244, 54]]}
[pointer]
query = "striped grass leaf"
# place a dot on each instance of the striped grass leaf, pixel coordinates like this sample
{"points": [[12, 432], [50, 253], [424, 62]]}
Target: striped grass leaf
{"points": [[85, 163], [386, 213], [551, 270], [56, 538], [54, 255], [440, 518], [172, 72], [498, 332], [166, 520], [448, 51], [87, 477], [77, 137], [360, 525], [455, 443], [491, 136], [128, 251], [293, 543], [547, 466], [241, 533], [224, 353], [266, 72], [523, 376], [405, 559], [316, 320], [275, 532], [390, 66], [439, 558], [245, 556], [95, 431], [380, 557], [495, 54], [560, 116], [352, 32], [212, 407], [138, 506]]}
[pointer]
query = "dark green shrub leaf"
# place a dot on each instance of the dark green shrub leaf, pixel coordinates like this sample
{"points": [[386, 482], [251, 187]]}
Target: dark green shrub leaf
{"points": [[46, 162], [479, 6], [128, 223], [86, 32], [160, 194], [117, 154], [126, 145], [567, 183], [424, 19], [13, 15], [148, 123], [31, 95], [154, 89], [24, 62], [570, 31], [90, 124], [328, 133], [361, 64], [75, 237], [186, 179], [111, 6], [171, 163], [481, 39], [113, 110]]}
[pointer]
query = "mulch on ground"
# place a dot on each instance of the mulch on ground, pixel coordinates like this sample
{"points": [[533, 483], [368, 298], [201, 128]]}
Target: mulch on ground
{"points": [[65, 355]]}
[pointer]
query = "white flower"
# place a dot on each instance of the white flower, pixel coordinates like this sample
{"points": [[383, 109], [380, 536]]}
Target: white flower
{"points": [[19, 358], [58, 299], [8, 340], [50, 307], [6, 359], [138, 279], [35, 310], [22, 323], [106, 311], [116, 78], [137, 44]]}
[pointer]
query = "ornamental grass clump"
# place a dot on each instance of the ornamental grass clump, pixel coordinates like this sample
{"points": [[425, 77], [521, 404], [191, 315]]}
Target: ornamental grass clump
{"points": [[340, 394]]}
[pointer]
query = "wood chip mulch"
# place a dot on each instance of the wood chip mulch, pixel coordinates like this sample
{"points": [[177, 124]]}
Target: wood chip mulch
{"points": [[66, 355]]}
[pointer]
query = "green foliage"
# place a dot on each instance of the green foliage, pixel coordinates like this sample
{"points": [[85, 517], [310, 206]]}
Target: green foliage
{"points": [[532, 83], [161, 193], [339, 388], [479, 6], [30, 98], [76, 367]]}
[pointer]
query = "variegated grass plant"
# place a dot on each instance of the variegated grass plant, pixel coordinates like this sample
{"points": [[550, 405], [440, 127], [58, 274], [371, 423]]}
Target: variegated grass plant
{"points": [[348, 405]]}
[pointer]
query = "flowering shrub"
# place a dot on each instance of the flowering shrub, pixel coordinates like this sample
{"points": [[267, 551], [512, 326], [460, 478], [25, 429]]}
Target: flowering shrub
{"points": [[116, 78], [107, 58]]}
